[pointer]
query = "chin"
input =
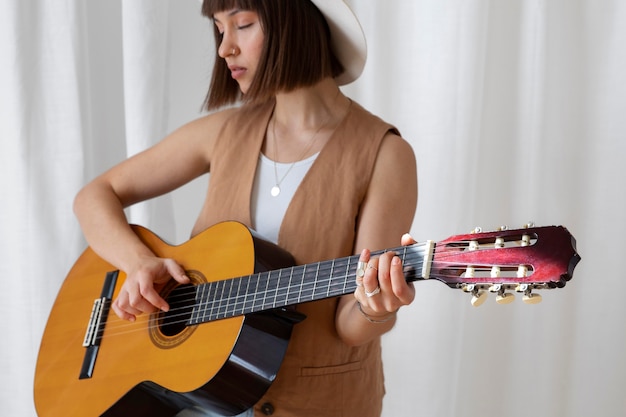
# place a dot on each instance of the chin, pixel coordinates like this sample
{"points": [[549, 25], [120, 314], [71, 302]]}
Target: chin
{"points": [[244, 88]]}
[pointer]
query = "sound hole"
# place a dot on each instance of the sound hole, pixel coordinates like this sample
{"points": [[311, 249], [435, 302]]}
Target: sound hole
{"points": [[168, 330], [181, 301]]}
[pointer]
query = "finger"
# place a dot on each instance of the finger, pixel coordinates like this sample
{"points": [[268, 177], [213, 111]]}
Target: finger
{"points": [[370, 279], [149, 300], [403, 290], [362, 267], [176, 271], [407, 239], [121, 311], [384, 277]]}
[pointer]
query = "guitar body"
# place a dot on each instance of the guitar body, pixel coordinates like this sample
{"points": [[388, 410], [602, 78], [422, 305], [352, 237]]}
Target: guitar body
{"points": [[148, 369]]}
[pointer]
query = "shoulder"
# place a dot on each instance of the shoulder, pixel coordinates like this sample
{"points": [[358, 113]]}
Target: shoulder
{"points": [[395, 154], [213, 124], [395, 145], [204, 131]]}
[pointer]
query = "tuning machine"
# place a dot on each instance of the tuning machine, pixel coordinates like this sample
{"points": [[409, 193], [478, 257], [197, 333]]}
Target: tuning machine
{"points": [[502, 296], [478, 295], [529, 297]]}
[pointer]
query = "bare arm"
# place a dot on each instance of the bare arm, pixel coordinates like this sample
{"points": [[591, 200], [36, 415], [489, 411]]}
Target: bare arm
{"points": [[386, 215], [99, 207]]}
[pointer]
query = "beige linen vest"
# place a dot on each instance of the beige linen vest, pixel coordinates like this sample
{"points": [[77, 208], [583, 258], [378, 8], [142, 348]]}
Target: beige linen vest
{"points": [[320, 375]]}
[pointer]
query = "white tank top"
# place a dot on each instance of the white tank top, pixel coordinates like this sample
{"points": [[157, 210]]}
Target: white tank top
{"points": [[267, 211]]}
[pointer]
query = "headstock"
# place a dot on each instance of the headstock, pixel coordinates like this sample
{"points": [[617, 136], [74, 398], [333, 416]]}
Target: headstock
{"points": [[506, 261]]}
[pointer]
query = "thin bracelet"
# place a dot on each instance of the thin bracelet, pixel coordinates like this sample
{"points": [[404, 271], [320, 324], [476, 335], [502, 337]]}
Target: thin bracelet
{"points": [[372, 320]]}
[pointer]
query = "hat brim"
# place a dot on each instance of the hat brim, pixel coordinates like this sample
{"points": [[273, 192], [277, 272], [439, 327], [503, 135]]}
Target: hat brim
{"points": [[347, 38]]}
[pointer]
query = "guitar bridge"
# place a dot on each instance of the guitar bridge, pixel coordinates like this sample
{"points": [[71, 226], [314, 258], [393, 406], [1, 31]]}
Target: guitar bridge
{"points": [[93, 332], [95, 328]]}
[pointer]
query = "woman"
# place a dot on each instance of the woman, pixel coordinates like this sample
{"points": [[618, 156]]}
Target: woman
{"points": [[301, 164]]}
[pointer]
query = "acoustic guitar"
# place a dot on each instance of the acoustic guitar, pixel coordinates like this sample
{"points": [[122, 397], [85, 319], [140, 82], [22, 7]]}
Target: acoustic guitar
{"points": [[222, 342]]}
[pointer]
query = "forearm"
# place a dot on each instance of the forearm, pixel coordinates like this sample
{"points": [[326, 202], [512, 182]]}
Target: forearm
{"points": [[103, 222], [357, 326]]}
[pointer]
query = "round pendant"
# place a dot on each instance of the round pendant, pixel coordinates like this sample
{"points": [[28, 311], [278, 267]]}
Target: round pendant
{"points": [[275, 191]]}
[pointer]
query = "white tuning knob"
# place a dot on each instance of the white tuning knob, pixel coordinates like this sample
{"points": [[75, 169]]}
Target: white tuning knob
{"points": [[478, 298], [531, 298], [505, 298]]}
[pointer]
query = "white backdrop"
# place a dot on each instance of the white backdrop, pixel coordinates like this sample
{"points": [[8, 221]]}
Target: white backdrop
{"points": [[516, 110]]}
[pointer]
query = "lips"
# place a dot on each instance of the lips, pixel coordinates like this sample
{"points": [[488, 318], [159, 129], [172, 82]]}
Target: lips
{"points": [[236, 72]]}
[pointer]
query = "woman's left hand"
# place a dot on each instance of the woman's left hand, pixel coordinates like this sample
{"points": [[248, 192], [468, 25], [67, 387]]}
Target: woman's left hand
{"points": [[382, 286]]}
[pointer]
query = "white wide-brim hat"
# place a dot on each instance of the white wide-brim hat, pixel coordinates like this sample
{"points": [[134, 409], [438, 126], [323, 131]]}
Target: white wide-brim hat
{"points": [[346, 37]]}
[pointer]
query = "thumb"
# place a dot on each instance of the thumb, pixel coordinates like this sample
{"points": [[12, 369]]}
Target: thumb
{"points": [[407, 239]]}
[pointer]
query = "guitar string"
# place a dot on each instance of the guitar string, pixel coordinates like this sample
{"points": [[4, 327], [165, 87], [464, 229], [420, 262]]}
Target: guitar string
{"points": [[441, 255], [172, 314], [255, 295], [439, 264]]}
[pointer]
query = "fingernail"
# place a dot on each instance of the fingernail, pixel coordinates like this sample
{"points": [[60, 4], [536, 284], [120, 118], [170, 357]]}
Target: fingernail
{"points": [[395, 260]]}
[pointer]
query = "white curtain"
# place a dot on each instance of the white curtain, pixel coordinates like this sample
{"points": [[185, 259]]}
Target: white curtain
{"points": [[516, 110]]}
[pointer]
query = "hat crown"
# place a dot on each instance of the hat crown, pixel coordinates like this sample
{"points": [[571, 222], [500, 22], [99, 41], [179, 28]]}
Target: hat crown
{"points": [[346, 37]]}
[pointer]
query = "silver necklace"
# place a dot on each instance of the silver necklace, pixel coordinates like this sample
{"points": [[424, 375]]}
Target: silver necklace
{"points": [[275, 191]]}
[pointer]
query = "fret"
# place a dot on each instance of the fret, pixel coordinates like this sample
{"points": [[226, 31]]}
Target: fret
{"points": [[277, 288], [212, 300], [219, 292], [299, 300], [332, 268], [308, 287], [264, 304], [346, 274], [228, 289], [315, 281], [256, 292], [282, 290], [237, 297], [337, 279], [247, 307], [195, 312], [204, 299], [295, 283], [216, 300], [287, 286]]}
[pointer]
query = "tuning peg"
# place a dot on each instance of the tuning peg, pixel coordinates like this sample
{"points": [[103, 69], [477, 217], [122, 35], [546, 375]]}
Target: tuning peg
{"points": [[505, 298], [531, 298], [502, 297], [478, 298], [477, 229], [529, 225]]}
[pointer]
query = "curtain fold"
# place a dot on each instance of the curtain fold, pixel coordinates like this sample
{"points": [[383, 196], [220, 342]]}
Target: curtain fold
{"points": [[145, 28], [42, 126], [516, 111]]}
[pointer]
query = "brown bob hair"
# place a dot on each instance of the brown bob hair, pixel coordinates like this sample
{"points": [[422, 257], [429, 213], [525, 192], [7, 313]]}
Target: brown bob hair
{"points": [[296, 51]]}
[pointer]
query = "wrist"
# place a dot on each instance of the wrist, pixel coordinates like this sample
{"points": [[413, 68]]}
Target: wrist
{"points": [[374, 318]]}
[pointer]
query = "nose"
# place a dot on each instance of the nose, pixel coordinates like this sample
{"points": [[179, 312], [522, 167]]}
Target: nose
{"points": [[226, 48]]}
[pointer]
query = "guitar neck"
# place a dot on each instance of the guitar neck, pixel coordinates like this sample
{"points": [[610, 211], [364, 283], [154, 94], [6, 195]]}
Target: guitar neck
{"points": [[294, 285]]}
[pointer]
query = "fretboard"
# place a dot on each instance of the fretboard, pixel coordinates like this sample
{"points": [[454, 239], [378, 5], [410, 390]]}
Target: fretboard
{"points": [[294, 285]]}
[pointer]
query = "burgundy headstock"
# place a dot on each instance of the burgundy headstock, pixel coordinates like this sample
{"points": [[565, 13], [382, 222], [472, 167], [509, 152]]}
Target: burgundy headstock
{"points": [[503, 261]]}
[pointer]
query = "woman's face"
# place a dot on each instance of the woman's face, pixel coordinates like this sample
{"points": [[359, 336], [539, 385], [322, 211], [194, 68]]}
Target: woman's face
{"points": [[241, 43]]}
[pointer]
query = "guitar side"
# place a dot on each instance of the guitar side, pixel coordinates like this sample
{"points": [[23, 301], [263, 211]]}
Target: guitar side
{"points": [[142, 372]]}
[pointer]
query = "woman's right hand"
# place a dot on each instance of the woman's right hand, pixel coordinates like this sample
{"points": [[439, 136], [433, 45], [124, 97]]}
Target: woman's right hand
{"points": [[140, 291]]}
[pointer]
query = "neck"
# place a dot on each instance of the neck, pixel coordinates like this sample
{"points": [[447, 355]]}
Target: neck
{"points": [[307, 108], [303, 121]]}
